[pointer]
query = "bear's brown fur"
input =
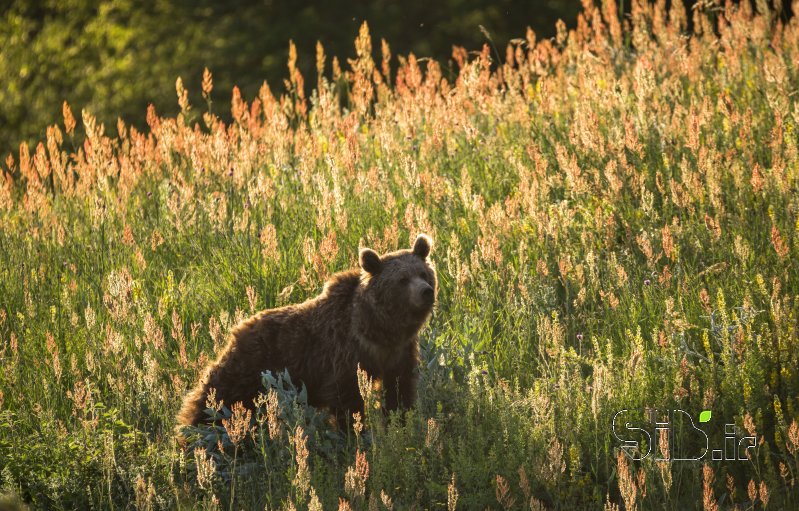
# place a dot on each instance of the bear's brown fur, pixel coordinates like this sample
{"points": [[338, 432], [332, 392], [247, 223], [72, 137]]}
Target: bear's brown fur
{"points": [[369, 317]]}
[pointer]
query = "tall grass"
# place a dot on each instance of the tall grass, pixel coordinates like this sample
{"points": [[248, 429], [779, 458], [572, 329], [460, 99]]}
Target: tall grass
{"points": [[615, 214]]}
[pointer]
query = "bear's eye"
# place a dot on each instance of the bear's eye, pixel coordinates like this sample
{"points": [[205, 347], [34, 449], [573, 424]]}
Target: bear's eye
{"points": [[404, 280], [423, 275]]}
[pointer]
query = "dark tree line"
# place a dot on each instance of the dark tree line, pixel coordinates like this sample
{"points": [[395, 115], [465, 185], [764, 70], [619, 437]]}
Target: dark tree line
{"points": [[114, 57]]}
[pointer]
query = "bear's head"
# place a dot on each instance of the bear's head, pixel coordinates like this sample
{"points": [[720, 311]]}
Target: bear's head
{"points": [[401, 284]]}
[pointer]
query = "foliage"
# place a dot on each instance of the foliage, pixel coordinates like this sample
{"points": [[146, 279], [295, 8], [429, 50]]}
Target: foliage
{"points": [[615, 217], [114, 57]]}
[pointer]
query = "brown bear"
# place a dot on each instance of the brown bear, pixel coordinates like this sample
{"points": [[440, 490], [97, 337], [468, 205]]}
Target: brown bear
{"points": [[369, 316]]}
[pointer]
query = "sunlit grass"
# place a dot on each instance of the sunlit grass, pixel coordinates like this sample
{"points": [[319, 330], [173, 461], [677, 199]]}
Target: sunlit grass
{"points": [[615, 216]]}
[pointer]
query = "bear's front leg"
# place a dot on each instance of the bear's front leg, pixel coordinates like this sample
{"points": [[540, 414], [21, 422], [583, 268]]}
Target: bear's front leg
{"points": [[401, 381], [401, 389], [341, 397]]}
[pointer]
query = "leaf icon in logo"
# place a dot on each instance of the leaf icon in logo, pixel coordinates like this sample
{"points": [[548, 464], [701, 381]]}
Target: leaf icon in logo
{"points": [[705, 416]]}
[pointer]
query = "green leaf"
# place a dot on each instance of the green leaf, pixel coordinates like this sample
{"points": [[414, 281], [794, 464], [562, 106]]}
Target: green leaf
{"points": [[705, 416]]}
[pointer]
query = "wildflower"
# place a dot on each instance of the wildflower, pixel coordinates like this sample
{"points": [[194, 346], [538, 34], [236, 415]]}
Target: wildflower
{"points": [[208, 84], [183, 95], [90, 317], [504, 497], [314, 504], [713, 226], [610, 506], [206, 468], [780, 246], [252, 298], [69, 119], [731, 485], [667, 242], [328, 248], [764, 494], [452, 495], [366, 388], [269, 243], [757, 179], [271, 404], [356, 476], [749, 425], [432, 439], [752, 490], [81, 397], [144, 493], [708, 499], [238, 425], [302, 478], [52, 348], [793, 438], [541, 268], [627, 487], [386, 500], [357, 424], [786, 474]]}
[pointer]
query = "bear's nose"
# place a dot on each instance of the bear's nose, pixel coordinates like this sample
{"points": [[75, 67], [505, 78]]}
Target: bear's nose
{"points": [[427, 294]]}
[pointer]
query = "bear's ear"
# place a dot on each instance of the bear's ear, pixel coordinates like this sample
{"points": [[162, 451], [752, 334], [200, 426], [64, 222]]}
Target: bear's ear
{"points": [[421, 246], [370, 261]]}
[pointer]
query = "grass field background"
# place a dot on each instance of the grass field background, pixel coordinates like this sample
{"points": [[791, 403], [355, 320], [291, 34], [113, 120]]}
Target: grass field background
{"points": [[615, 216]]}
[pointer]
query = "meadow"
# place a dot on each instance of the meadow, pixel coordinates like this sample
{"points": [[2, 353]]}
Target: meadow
{"points": [[616, 226]]}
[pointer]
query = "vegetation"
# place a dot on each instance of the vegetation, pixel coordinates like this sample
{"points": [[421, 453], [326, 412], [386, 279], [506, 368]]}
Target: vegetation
{"points": [[616, 225], [115, 57]]}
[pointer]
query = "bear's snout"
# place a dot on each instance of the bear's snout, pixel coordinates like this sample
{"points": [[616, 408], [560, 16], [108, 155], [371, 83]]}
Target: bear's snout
{"points": [[423, 296]]}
